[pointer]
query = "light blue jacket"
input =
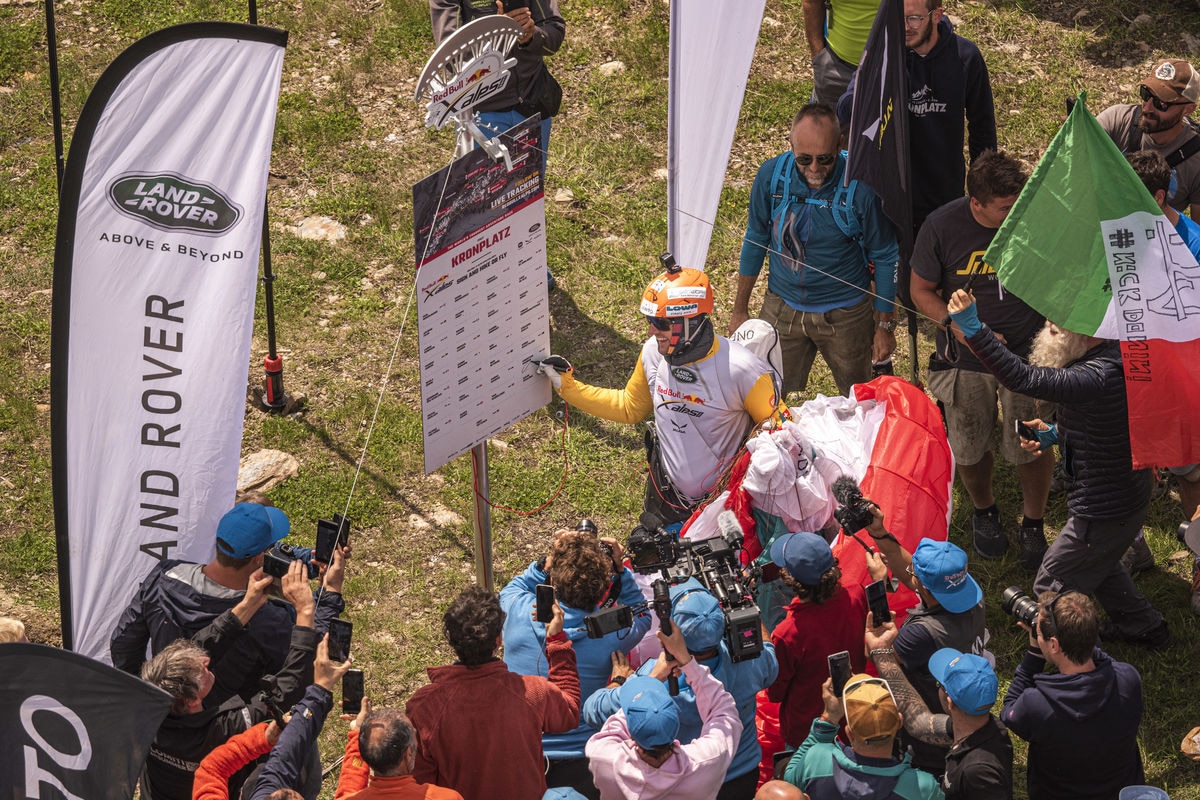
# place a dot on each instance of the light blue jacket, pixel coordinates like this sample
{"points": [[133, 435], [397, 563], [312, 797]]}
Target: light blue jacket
{"points": [[525, 647]]}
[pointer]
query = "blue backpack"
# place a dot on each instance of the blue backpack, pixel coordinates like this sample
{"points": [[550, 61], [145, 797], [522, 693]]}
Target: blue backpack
{"points": [[782, 199]]}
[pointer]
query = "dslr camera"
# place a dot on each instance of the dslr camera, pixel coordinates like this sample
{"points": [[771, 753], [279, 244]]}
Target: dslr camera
{"points": [[1017, 603], [279, 558]]}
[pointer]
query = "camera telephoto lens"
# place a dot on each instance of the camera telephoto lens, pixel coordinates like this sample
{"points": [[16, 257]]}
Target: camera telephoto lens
{"points": [[1017, 603]]}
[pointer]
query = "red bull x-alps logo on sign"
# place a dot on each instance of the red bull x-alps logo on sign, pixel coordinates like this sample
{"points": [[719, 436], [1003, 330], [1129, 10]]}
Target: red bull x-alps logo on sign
{"points": [[174, 203]]}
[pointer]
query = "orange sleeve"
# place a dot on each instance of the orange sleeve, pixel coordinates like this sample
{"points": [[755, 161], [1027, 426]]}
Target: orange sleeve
{"points": [[212, 777], [355, 771]]}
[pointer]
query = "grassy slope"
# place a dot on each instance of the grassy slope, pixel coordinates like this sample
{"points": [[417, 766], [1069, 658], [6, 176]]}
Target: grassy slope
{"points": [[349, 142]]}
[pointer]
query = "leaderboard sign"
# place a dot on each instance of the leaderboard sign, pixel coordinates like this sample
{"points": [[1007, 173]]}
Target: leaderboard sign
{"points": [[482, 297]]}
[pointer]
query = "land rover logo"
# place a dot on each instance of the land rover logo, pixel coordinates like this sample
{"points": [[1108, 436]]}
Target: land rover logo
{"points": [[683, 374], [172, 203]]}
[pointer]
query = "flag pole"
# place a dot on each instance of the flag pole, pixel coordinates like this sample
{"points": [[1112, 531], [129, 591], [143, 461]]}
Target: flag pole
{"points": [[61, 542], [274, 397], [55, 98]]}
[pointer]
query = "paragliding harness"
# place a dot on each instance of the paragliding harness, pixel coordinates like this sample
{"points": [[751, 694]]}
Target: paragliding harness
{"points": [[664, 505], [785, 214]]}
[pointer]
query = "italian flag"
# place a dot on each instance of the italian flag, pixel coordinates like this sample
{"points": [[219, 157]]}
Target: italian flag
{"points": [[1087, 246]]}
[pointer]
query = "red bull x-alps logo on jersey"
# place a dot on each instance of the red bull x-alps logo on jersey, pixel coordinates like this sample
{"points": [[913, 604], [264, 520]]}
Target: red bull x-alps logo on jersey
{"points": [[173, 203]]}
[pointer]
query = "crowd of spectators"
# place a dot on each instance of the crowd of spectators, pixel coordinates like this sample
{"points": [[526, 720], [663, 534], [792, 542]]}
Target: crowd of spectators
{"points": [[246, 657]]}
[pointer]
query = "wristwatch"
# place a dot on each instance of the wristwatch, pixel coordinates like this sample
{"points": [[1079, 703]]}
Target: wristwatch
{"points": [[887, 325], [619, 680]]}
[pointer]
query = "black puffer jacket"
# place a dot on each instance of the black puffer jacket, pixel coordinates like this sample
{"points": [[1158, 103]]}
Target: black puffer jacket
{"points": [[1093, 423]]}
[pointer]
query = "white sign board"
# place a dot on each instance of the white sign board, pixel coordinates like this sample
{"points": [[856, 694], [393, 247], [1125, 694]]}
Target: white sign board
{"points": [[482, 304]]}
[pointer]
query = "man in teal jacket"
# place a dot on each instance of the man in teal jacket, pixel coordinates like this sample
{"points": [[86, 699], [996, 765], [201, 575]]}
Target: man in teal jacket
{"points": [[826, 769], [831, 287]]}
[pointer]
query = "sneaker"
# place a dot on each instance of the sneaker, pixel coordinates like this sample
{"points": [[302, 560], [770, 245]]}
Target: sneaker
{"points": [[1033, 547], [988, 534], [1157, 638], [1195, 602], [1138, 557]]}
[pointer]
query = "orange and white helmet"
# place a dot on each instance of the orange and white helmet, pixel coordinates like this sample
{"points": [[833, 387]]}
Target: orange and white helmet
{"points": [[680, 292]]}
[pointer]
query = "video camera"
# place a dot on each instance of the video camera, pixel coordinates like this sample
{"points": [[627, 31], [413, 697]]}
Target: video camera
{"points": [[714, 562]]}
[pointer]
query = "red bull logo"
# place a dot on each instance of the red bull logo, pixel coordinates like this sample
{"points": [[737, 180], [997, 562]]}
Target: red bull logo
{"points": [[667, 391]]}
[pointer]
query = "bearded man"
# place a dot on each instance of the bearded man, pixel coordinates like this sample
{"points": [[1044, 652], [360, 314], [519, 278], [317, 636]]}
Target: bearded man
{"points": [[1107, 499]]}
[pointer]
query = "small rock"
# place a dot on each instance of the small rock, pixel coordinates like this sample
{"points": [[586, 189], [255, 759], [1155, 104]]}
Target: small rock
{"points": [[42, 408], [266, 469], [771, 22], [1180, 557], [418, 523], [610, 68], [661, 173], [319, 276], [444, 517], [564, 196], [321, 228], [1142, 19], [1080, 14]]}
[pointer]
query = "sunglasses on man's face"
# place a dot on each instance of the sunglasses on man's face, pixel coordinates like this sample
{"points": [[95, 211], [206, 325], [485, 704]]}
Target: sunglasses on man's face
{"points": [[1160, 105], [659, 323], [824, 159]]}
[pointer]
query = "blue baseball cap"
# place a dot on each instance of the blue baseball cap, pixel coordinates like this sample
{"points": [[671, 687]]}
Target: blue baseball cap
{"points": [[968, 679], [248, 529], [806, 556], [698, 615], [650, 713], [942, 568]]}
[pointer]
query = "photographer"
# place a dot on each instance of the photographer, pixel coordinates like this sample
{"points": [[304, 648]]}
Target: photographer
{"points": [[1107, 500], [868, 768], [980, 756], [950, 614], [825, 617], [1082, 721], [289, 748], [581, 573], [381, 754], [699, 617], [178, 598], [636, 754], [480, 725], [192, 729]]}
